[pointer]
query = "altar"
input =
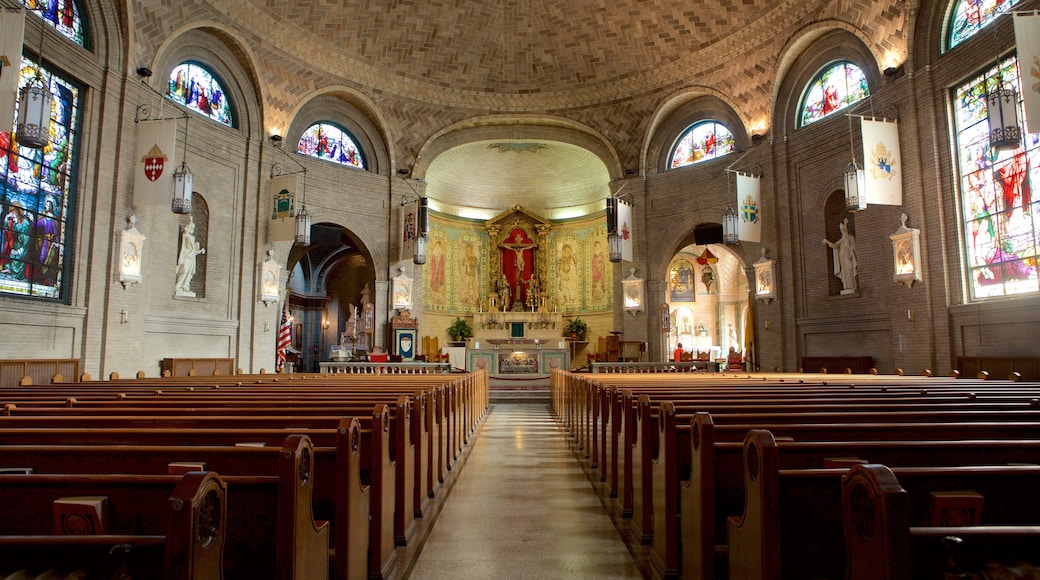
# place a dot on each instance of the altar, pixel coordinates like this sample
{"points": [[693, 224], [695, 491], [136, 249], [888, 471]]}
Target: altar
{"points": [[518, 336], [517, 359]]}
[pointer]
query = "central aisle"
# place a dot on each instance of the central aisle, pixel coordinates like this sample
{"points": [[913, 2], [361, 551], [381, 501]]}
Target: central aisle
{"points": [[522, 507]]}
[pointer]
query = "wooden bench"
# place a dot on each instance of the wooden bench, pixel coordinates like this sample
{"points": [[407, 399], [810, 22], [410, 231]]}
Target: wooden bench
{"points": [[885, 539], [666, 549], [39, 371], [791, 527], [185, 534], [259, 511], [457, 410], [837, 364]]}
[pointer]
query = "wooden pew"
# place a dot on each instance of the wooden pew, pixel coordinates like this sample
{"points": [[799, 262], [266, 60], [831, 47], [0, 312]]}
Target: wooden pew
{"points": [[790, 525], [883, 541], [460, 411], [351, 453], [408, 450], [665, 546], [186, 538]]}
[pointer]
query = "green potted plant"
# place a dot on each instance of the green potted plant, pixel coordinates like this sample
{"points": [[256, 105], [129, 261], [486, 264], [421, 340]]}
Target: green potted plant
{"points": [[459, 330], [576, 329]]}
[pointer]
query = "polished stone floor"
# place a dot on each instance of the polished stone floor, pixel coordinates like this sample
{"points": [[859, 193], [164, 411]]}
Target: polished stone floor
{"points": [[522, 507]]}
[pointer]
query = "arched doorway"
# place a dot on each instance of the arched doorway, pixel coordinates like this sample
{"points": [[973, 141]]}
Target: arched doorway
{"points": [[706, 292], [330, 282]]}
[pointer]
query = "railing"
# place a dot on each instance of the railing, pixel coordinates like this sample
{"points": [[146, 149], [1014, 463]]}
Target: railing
{"points": [[655, 367], [379, 368]]}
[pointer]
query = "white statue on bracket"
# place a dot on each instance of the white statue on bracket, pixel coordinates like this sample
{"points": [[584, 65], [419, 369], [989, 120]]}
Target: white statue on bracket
{"points": [[131, 252], [190, 249]]}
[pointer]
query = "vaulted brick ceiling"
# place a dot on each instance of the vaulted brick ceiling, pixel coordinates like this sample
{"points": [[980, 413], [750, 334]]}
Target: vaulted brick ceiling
{"points": [[607, 65], [530, 47]]}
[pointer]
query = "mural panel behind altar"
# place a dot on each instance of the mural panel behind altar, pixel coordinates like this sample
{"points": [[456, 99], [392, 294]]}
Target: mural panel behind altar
{"points": [[517, 262]]}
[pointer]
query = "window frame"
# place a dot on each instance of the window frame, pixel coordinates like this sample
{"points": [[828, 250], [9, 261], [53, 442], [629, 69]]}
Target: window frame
{"points": [[800, 111]]}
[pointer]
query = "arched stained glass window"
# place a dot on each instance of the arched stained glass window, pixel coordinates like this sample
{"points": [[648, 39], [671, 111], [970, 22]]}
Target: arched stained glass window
{"points": [[1001, 216], [971, 16], [332, 143], [36, 189], [63, 15], [702, 141], [195, 87], [837, 86]]}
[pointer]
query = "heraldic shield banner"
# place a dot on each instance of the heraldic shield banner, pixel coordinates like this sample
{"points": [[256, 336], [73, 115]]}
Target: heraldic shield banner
{"points": [[155, 162], [1027, 39], [882, 163], [12, 25], [624, 220], [282, 227], [749, 227]]}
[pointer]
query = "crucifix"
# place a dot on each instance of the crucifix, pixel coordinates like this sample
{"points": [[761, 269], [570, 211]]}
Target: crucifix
{"points": [[519, 248]]}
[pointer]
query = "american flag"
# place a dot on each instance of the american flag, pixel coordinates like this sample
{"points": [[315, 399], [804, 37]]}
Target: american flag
{"points": [[283, 341]]}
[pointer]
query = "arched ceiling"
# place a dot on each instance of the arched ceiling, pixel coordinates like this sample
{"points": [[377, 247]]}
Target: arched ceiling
{"points": [[482, 178]]}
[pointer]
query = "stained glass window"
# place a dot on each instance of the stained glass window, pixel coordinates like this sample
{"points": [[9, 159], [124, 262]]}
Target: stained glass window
{"points": [[1001, 218], [702, 141], [195, 87], [36, 197], [836, 87], [332, 143], [970, 16], [63, 15]]}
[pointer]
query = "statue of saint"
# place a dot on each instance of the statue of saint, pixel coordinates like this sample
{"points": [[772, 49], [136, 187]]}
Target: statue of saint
{"points": [[186, 259], [503, 294], [845, 264]]}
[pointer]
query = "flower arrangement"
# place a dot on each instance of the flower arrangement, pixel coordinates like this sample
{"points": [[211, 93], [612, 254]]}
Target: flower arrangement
{"points": [[576, 329], [459, 329]]}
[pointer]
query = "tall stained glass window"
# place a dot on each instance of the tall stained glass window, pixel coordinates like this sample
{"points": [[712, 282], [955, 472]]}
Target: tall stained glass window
{"points": [[1001, 217], [63, 15], [332, 143], [702, 141], [970, 16], [36, 197], [195, 87], [837, 86]]}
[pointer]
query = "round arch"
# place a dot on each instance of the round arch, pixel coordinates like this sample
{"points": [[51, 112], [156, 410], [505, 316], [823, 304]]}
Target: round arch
{"points": [[805, 56], [682, 109], [228, 56], [354, 113]]}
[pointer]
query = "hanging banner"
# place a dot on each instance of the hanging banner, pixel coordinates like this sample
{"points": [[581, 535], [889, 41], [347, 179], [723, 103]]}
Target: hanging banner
{"points": [[155, 162], [282, 227], [1027, 39], [624, 220], [407, 219], [12, 29], [749, 227], [882, 163]]}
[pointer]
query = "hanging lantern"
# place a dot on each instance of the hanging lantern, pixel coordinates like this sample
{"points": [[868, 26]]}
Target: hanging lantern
{"points": [[730, 234], [182, 188], [1002, 109], [419, 253], [303, 227], [34, 114], [855, 188], [614, 240], [422, 231]]}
